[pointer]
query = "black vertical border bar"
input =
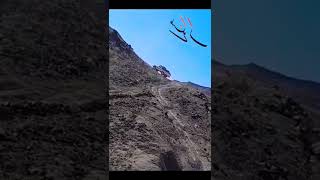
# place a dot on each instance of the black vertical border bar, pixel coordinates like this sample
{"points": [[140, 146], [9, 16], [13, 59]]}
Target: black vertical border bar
{"points": [[106, 30], [212, 86], [160, 4], [162, 175]]}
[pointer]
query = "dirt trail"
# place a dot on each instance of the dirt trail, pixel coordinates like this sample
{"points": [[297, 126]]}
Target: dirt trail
{"points": [[177, 122]]}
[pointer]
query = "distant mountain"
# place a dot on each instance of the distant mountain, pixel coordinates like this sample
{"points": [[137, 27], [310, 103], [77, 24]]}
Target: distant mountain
{"points": [[261, 73], [265, 124], [306, 92], [303, 91], [204, 89]]}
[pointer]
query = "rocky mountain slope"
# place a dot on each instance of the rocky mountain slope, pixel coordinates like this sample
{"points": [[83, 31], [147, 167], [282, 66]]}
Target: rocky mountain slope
{"points": [[306, 92], [259, 130], [52, 90], [155, 123], [203, 89]]}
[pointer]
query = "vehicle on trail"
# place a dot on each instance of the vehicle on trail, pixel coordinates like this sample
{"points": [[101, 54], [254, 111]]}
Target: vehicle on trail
{"points": [[163, 71]]}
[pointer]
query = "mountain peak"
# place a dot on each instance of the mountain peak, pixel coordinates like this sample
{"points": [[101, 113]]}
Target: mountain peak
{"points": [[252, 64], [115, 40]]}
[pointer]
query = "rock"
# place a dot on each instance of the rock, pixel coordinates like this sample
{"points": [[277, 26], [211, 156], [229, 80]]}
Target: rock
{"points": [[2, 132], [316, 148], [297, 117], [34, 170], [316, 130]]}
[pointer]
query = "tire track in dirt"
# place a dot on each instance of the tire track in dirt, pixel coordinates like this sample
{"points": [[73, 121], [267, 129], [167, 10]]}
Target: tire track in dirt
{"points": [[157, 91]]}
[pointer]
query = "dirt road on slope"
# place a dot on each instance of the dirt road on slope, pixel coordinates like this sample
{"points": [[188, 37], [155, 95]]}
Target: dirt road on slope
{"points": [[177, 122]]}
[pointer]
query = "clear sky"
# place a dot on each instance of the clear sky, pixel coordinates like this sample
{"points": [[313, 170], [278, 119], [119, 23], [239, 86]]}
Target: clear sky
{"points": [[147, 31], [281, 35]]}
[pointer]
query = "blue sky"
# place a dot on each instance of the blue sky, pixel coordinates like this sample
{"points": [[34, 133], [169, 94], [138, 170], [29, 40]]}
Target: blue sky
{"points": [[147, 31]]}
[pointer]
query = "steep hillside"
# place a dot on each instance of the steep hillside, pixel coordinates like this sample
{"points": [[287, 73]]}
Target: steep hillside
{"points": [[305, 92], [155, 123], [203, 89], [260, 131]]}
